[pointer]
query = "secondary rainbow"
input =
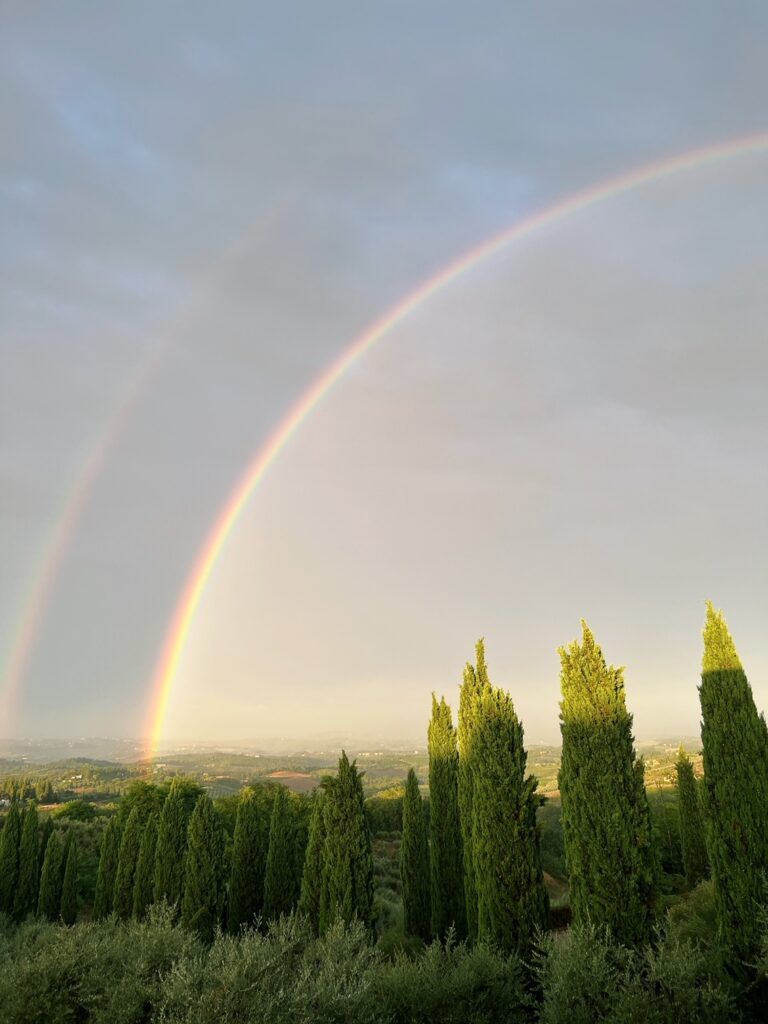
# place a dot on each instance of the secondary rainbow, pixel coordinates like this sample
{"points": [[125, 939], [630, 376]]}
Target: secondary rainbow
{"points": [[176, 636], [53, 552]]}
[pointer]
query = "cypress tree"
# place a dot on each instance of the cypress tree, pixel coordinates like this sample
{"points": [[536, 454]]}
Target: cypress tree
{"points": [[25, 901], [172, 844], [122, 898], [204, 882], [312, 875], [10, 840], [249, 855], [347, 890], [474, 684], [49, 900], [105, 878], [414, 863], [69, 884], [692, 841], [279, 881], [606, 820], [735, 790], [511, 896], [446, 868], [45, 835], [144, 879]]}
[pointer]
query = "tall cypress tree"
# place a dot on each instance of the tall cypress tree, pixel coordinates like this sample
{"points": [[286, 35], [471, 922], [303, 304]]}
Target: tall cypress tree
{"points": [[10, 840], [312, 875], [68, 911], [249, 855], [49, 900], [45, 834], [511, 896], [735, 790], [172, 843], [25, 901], [474, 684], [446, 866], [347, 890], [414, 863], [105, 878], [279, 880], [692, 841], [606, 822], [130, 843], [204, 881], [144, 880]]}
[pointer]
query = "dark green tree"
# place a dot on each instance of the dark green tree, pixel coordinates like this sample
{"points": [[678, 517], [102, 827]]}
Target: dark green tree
{"points": [[25, 900], [10, 841], [511, 896], [144, 880], [735, 791], [204, 876], [445, 850], [312, 875], [103, 901], [249, 856], [49, 900], [279, 877], [146, 797], [45, 834], [474, 684], [692, 840], [414, 863], [606, 822], [125, 876], [172, 840], [347, 891], [69, 883]]}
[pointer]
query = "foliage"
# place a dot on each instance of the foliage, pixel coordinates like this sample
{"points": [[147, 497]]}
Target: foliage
{"points": [[414, 863], [694, 850], [588, 977], [347, 888], [27, 886], [280, 882], [606, 822], [249, 855], [10, 840], [146, 798], [735, 789], [69, 884], [474, 683], [105, 880], [385, 810], [204, 871], [122, 898], [312, 875], [172, 840], [51, 878], [77, 810], [144, 879], [511, 898], [446, 860]]}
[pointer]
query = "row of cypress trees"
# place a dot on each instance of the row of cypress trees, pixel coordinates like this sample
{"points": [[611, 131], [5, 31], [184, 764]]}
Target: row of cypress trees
{"points": [[483, 809], [38, 872], [180, 858]]}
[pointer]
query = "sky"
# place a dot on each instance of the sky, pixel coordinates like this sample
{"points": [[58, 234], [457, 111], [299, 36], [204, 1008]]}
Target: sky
{"points": [[203, 205]]}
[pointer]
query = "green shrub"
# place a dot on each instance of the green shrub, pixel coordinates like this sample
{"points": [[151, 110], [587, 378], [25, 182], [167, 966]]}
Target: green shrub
{"points": [[76, 810]]}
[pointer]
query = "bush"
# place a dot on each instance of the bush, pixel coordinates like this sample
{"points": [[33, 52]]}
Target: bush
{"points": [[585, 978], [77, 810], [453, 984]]}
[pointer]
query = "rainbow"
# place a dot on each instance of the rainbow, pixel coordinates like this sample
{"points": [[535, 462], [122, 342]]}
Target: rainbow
{"points": [[40, 586], [178, 631]]}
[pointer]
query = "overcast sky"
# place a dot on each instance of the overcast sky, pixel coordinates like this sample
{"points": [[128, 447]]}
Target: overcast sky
{"points": [[203, 204]]}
